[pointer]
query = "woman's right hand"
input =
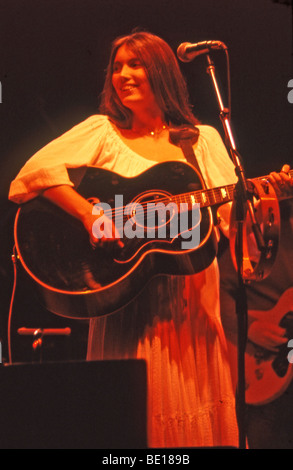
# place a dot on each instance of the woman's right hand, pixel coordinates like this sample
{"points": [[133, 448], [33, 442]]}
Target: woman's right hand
{"points": [[101, 229]]}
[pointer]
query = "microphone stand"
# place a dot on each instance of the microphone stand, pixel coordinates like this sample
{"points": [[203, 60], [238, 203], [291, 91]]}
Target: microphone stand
{"points": [[242, 201]]}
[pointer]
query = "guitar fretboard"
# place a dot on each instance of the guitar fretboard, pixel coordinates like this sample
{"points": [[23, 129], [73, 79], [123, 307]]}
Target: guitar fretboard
{"points": [[207, 197], [210, 197]]}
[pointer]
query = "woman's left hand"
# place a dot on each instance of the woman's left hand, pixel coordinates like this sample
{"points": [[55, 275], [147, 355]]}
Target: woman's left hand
{"points": [[282, 182]]}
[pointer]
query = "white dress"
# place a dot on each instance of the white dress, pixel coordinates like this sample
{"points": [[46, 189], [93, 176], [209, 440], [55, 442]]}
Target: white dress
{"points": [[174, 323]]}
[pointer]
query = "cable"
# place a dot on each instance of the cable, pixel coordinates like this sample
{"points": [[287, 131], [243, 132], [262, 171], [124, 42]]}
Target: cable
{"points": [[14, 260]]}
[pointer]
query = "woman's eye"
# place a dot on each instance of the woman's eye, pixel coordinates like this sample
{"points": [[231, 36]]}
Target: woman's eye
{"points": [[116, 68], [135, 63]]}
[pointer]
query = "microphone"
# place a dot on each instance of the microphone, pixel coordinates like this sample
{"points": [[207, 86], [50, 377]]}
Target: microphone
{"points": [[187, 51]]}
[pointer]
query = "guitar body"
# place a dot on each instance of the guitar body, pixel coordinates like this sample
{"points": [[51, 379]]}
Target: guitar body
{"points": [[268, 374], [78, 281]]}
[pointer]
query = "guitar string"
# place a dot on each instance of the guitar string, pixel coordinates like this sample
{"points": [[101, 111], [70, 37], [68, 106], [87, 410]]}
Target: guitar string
{"points": [[212, 196]]}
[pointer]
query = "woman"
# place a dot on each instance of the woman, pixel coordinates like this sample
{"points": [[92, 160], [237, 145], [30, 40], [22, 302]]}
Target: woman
{"points": [[174, 324]]}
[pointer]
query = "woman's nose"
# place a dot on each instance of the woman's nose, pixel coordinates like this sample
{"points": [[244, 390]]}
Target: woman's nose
{"points": [[125, 71]]}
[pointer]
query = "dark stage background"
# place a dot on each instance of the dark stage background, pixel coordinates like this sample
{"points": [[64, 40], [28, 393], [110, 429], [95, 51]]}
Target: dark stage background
{"points": [[52, 60]]}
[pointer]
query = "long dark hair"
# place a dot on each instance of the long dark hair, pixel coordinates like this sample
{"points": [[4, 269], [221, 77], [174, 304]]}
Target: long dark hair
{"points": [[164, 75]]}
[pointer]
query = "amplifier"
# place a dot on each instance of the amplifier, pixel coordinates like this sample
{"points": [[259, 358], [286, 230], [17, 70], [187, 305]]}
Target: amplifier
{"points": [[73, 405]]}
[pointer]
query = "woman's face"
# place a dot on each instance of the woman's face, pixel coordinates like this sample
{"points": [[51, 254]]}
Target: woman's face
{"points": [[130, 81]]}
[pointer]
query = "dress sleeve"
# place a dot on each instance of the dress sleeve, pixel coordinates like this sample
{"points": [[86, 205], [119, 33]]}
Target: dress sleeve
{"points": [[217, 167], [80, 146]]}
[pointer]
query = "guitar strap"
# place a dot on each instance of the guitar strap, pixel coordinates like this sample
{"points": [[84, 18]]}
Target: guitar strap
{"points": [[185, 138]]}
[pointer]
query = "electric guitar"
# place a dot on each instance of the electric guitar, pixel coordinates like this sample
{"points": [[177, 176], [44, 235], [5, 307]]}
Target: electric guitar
{"points": [[268, 374], [77, 281]]}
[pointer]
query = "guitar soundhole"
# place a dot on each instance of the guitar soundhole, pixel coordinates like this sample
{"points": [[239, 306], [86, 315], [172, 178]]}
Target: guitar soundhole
{"points": [[151, 211], [159, 217]]}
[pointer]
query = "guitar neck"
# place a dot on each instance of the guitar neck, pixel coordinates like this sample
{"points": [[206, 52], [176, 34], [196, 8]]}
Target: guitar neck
{"points": [[210, 197]]}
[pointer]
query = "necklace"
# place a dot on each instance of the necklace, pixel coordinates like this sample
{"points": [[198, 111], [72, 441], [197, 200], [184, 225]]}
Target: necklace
{"points": [[145, 133], [157, 132]]}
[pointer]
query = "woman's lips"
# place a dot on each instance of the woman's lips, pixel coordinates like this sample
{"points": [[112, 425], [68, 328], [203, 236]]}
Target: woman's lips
{"points": [[128, 87]]}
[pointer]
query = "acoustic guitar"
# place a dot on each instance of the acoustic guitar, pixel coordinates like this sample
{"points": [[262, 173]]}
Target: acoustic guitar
{"points": [[77, 281]]}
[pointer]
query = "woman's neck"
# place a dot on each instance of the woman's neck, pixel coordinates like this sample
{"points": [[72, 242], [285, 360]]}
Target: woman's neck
{"points": [[147, 122]]}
